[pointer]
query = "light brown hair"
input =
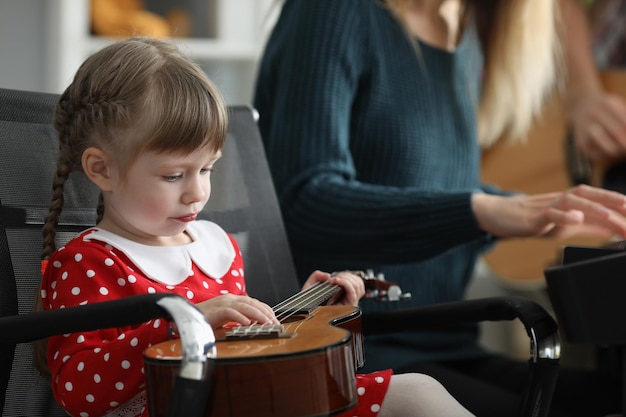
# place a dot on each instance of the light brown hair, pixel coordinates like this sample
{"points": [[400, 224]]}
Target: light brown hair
{"points": [[135, 95]]}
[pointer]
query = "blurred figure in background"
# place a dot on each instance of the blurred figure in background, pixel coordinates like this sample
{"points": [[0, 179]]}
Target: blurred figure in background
{"points": [[595, 97], [373, 115]]}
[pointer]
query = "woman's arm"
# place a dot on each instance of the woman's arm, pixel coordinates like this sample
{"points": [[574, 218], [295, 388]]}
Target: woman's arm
{"points": [[315, 73]]}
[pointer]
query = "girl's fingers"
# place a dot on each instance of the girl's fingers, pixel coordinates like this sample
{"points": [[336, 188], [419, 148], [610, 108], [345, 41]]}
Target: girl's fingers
{"points": [[240, 309], [353, 286], [259, 312], [315, 277]]}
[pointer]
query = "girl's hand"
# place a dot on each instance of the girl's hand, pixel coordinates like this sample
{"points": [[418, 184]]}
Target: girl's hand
{"points": [[236, 308], [354, 287], [581, 210]]}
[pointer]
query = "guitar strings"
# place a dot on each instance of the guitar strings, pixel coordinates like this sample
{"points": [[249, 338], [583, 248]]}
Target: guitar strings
{"points": [[309, 293], [292, 305], [299, 301]]}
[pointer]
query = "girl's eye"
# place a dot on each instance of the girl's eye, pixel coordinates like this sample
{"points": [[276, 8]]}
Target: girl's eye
{"points": [[206, 170], [172, 178]]}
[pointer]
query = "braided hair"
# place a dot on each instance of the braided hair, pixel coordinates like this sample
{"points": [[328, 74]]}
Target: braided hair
{"points": [[135, 95]]}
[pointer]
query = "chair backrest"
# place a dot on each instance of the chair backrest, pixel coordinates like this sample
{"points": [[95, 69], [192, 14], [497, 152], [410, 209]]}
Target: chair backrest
{"points": [[243, 201]]}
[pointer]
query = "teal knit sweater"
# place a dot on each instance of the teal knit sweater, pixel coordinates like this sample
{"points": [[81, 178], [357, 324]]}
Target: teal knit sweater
{"points": [[374, 155]]}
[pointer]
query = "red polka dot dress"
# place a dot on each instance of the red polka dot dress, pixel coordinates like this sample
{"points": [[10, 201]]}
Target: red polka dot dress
{"points": [[100, 373]]}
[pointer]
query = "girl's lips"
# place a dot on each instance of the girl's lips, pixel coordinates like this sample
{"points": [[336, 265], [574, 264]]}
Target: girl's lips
{"points": [[188, 218]]}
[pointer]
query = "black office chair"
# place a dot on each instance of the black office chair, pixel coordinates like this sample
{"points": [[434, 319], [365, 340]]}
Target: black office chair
{"points": [[243, 201], [28, 146]]}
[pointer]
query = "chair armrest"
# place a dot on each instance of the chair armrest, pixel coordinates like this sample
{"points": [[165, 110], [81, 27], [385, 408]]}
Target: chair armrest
{"points": [[197, 338], [540, 326], [29, 327]]}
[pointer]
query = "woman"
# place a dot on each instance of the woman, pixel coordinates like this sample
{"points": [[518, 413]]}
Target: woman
{"points": [[372, 115]]}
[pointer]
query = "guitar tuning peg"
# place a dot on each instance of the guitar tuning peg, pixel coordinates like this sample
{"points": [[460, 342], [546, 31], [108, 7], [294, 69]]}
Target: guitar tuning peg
{"points": [[394, 293], [378, 288]]}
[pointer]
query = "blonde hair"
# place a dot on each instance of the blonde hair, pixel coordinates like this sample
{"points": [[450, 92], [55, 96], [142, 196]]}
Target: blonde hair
{"points": [[522, 54], [135, 95]]}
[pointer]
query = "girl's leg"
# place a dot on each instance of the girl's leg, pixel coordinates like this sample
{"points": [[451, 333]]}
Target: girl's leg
{"points": [[419, 395]]}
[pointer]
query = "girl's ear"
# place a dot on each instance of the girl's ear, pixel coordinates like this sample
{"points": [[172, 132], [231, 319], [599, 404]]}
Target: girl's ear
{"points": [[97, 166]]}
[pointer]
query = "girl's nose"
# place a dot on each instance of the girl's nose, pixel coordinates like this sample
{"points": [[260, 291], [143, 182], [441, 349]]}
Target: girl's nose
{"points": [[197, 190]]}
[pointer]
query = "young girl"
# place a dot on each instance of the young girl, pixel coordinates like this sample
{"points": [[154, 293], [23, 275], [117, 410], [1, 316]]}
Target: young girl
{"points": [[145, 125]]}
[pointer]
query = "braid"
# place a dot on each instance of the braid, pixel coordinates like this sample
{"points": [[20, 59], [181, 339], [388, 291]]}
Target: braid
{"points": [[69, 159], [64, 167], [56, 206], [134, 95], [79, 118], [73, 123], [107, 100], [66, 162], [92, 111]]}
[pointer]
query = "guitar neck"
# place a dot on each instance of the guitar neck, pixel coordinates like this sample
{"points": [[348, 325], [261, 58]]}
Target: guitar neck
{"points": [[326, 293], [304, 302]]}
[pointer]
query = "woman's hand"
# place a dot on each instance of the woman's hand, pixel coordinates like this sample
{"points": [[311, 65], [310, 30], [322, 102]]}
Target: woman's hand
{"points": [[236, 308], [581, 210], [599, 126], [354, 287]]}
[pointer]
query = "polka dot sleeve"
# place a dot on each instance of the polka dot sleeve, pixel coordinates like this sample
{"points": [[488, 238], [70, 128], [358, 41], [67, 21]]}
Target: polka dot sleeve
{"points": [[95, 372]]}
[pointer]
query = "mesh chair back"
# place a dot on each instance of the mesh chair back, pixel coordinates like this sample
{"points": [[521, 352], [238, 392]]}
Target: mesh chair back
{"points": [[243, 201], [27, 152]]}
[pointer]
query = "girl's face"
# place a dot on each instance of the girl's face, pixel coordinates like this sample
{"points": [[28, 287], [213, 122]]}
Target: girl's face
{"points": [[160, 195]]}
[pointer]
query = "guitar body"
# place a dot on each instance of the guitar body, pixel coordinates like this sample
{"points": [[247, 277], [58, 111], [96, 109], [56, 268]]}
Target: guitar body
{"points": [[309, 372]]}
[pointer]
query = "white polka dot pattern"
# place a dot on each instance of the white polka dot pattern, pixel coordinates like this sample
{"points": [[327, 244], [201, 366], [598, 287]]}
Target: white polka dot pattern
{"points": [[371, 390], [97, 372]]}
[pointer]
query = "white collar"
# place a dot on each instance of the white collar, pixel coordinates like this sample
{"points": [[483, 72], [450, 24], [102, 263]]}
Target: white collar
{"points": [[210, 250]]}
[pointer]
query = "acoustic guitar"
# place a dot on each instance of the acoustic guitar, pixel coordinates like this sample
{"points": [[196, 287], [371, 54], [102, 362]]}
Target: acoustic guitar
{"points": [[539, 165], [303, 367]]}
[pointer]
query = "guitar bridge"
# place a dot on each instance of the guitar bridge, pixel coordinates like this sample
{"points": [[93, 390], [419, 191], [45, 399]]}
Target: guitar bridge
{"points": [[256, 331]]}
